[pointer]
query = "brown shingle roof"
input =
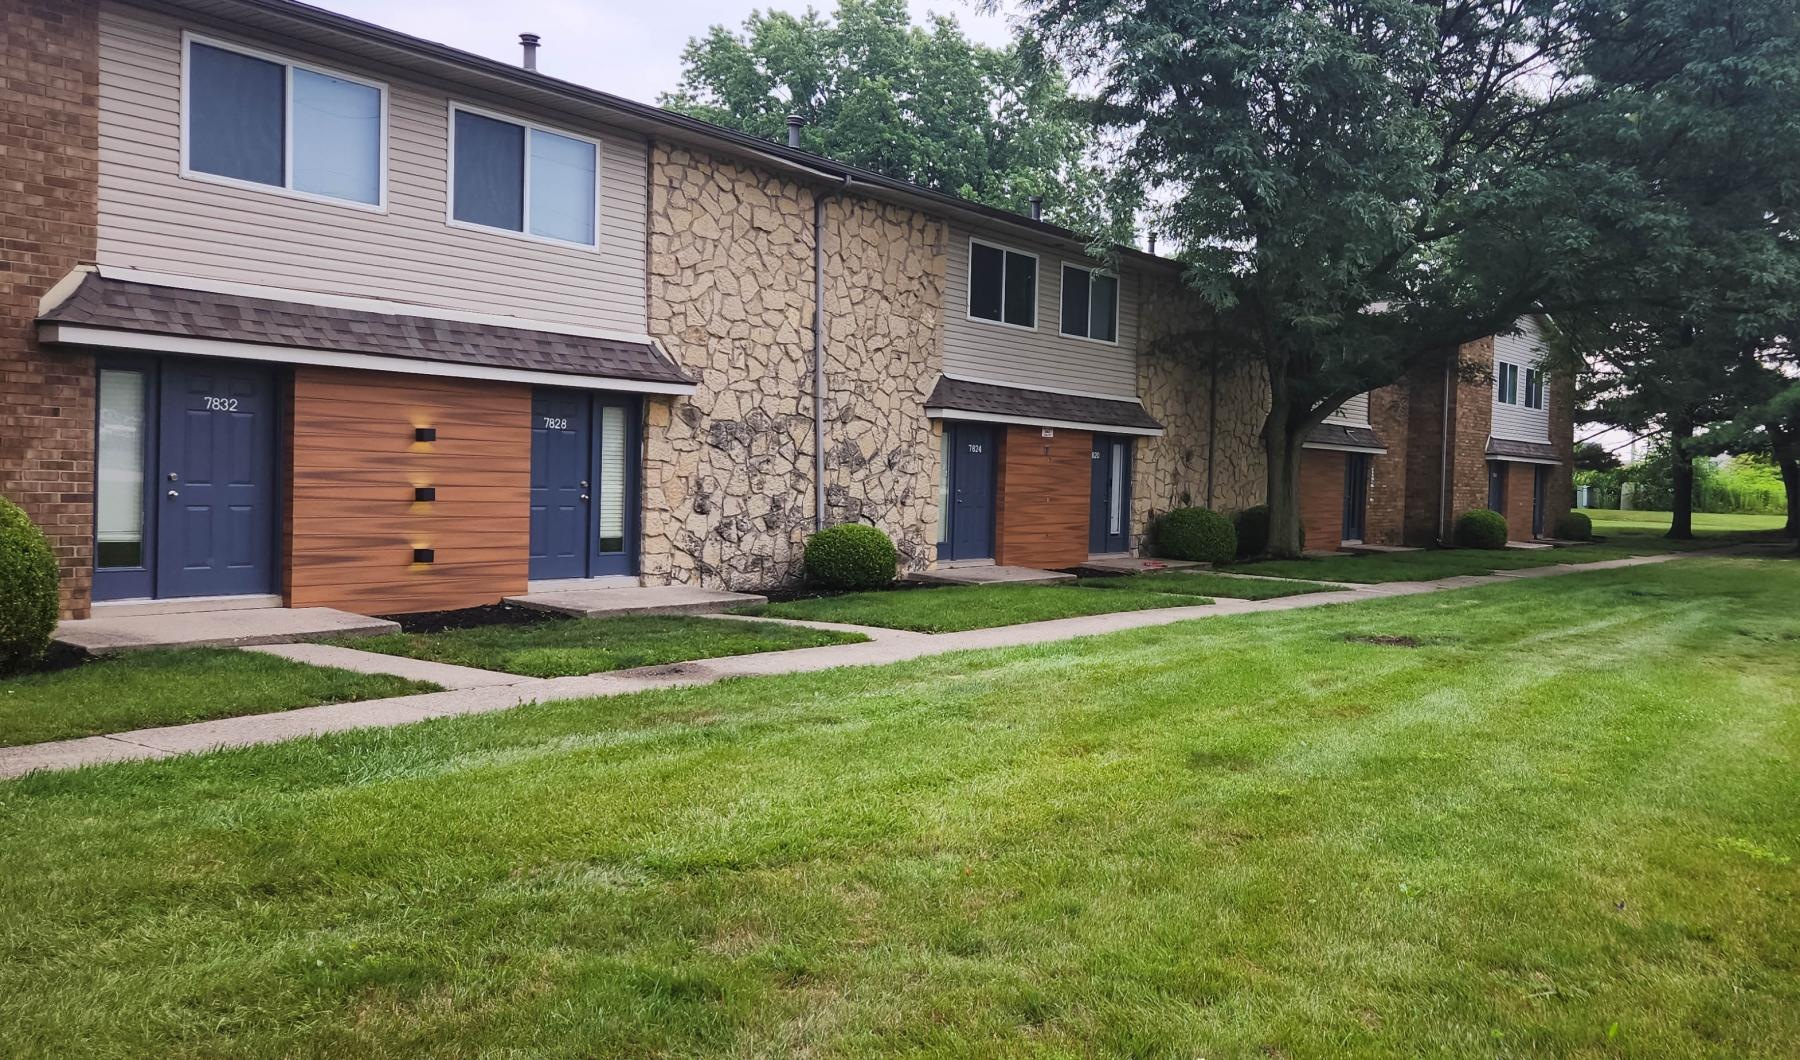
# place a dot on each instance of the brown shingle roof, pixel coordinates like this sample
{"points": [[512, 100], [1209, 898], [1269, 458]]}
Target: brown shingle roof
{"points": [[989, 399], [1345, 436], [109, 302], [1507, 447]]}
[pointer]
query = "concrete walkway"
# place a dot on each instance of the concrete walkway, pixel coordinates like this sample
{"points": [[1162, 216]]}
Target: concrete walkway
{"points": [[231, 628], [479, 691]]}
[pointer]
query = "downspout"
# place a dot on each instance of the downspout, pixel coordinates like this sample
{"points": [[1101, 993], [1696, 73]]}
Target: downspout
{"points": [[1212, 424], [818, 354], [1444, 457]]}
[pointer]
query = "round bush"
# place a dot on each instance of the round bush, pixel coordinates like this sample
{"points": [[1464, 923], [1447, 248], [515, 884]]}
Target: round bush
{"points": [[27, 590], [1252, 526], [1574, 526], [1481, 528], [850, 556], [1197, 534]]}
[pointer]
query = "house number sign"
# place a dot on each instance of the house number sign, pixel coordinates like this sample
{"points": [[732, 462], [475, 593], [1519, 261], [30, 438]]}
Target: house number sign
{"points": [[221, 404], [556, 423]]}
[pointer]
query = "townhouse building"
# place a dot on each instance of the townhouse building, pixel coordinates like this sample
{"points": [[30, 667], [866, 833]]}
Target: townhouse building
{"points": [[304, 311]]}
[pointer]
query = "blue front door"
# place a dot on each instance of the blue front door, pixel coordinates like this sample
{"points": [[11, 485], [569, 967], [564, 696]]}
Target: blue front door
{"points": [[561, 490], [971, 473], [214, 479], [1109, 520], [584, 483]]}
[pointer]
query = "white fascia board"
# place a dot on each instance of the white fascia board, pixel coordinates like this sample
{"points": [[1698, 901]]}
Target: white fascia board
{"points": [[145, 342], [1331, 448], [1032, 421], [1524, 460]]}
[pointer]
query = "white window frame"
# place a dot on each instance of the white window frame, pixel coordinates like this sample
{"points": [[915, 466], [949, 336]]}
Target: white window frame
{"points": [[1534, 377], [1037, 279], [1118, 297], [1500, 388], [288, 66], [524, 232]]}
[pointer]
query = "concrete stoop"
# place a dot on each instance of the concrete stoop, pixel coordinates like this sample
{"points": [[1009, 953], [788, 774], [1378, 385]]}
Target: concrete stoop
{"points": [[635, 600], [1138, 564], [224, 628], [1357, 548]]}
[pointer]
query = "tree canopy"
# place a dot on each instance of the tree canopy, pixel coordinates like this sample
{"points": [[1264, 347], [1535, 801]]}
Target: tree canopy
{"points": [[917, 102], [1359, 186]]}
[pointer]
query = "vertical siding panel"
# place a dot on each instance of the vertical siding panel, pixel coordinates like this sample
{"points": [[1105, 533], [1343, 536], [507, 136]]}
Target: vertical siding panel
{"points": [[152, 218]]}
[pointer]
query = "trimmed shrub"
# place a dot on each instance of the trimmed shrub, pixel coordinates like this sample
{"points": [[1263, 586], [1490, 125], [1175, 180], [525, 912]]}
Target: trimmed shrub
{"points": [[1574, 526], [1481, 528], [850, 556], [1197, 534], [28, 603], [1252, 525]]}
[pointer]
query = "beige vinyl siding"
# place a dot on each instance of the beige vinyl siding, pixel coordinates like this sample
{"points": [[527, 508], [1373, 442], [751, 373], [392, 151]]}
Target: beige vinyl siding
{"points": [[152, 218], [1354, 412], [1039, 358], [1516, 422]]}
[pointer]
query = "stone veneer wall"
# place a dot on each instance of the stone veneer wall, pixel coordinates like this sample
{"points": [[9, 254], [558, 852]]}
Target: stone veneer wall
{"points": [[728, 490], [49, 178], [1175, 383]]}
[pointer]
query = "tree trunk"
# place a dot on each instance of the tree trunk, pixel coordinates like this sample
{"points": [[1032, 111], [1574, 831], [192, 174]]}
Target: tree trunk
{"points": [[1281, 452], [1790, 477], [1681, 523]]}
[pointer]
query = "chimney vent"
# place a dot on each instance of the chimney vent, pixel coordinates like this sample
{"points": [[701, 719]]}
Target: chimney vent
{"points": [[1037, 207], [1153, 241], [529, 42], [795, 124]]}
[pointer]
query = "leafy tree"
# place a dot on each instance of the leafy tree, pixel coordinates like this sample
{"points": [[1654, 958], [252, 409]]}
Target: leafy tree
{"points": [[1592, 456], [919, 103], [1359, 186]]}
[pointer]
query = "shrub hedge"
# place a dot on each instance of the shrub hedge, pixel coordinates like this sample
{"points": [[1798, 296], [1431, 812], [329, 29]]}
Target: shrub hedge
{"points": [[850, 556], [1200, 535], [1574, 526], [1481, 528], [1252, 525], [28, 602]]}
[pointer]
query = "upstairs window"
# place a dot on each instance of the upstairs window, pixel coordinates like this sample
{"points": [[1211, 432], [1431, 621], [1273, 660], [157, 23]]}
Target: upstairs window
{"points": [[1002, 285], [521, 178], [1090, 304], [256, 119], [1534, 389], [1508, 392]]}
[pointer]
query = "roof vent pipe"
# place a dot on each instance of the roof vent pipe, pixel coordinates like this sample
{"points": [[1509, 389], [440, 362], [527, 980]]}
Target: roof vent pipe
{"points": [[1153, 241], [1037, 207], [795, 124], [529, 42]]}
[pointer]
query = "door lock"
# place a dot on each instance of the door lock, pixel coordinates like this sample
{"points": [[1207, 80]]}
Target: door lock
{"points": [[584, 484], [173, 477]]}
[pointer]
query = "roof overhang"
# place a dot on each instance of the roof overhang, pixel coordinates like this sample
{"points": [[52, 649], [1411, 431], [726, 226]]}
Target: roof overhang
{"points": [[145, 342], [978, 401], [1521, 452], [122, 309], [1344, 438]]}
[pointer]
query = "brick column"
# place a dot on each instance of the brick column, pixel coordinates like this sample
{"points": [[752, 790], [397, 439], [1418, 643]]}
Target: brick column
{"points": [[49, 175]]}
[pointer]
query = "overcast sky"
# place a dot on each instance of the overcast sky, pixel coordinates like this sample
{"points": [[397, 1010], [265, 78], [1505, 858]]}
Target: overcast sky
{"points": [[629, 49]]}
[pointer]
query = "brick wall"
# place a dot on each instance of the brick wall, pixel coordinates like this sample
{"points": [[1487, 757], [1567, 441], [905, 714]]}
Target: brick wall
{"points": [[1470, 420], [1385, 523], [49, 147], [1560, 492], [1521, 497]]}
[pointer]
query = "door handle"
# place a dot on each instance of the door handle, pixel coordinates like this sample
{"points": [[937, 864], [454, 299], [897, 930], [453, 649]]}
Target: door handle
{"points": [[584, 496], [174, 494]]}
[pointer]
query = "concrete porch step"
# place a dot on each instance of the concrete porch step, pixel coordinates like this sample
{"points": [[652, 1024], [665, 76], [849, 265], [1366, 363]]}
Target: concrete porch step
{"points": [[1137, 564], [988, 574], [636, 600], [1357, 548], [228, 628]]}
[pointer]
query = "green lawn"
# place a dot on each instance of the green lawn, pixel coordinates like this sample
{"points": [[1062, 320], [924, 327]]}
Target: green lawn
{"points": [[140, 689], [1564, 825], [951, 608], [1428, 564], [1200, 583], [570, 647], [1609, 523]]}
